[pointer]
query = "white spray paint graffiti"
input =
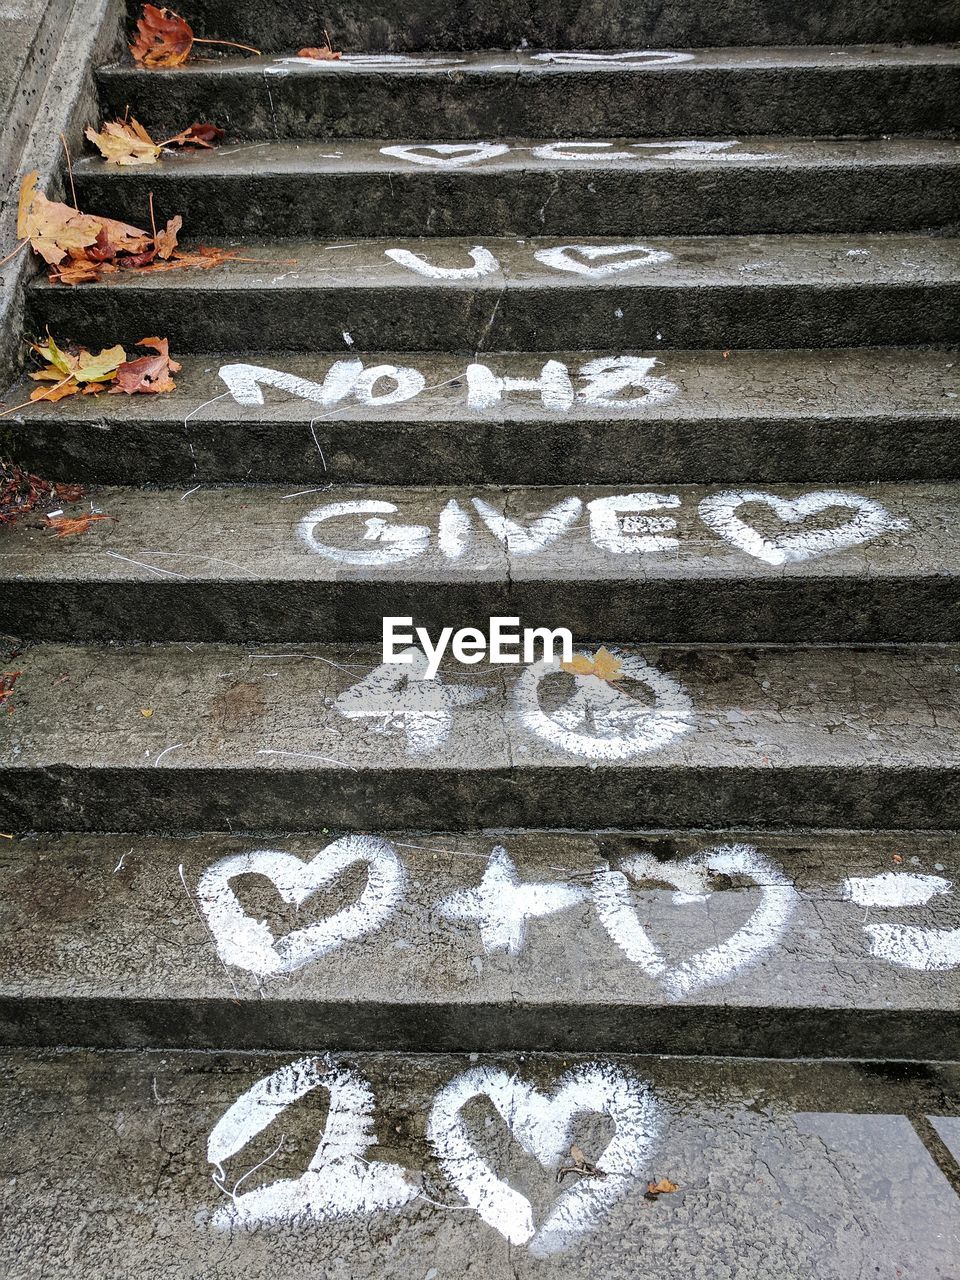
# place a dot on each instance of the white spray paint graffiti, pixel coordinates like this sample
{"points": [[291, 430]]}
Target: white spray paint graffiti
{"points": [[871, 520], [446, 155], [392, 544], [642, 532], [601, 722], [250, 944], [339, 1180], [630, 58], [601, 259], [404, 699], [617, 912], [344, 378], [361, 62], [527, 540], [604, 378], [484, 264], [542, 1125], [907, 946], [501, 904]]}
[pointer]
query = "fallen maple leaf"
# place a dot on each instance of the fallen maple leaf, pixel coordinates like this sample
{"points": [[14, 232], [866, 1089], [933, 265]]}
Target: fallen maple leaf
{"points": [[165, 241], [164, 39], [68, 526], [603, 665], [322, 53], [74, 371], [124, 142], [148, 373], [52, 228], [197, 135], [661, 1188]]}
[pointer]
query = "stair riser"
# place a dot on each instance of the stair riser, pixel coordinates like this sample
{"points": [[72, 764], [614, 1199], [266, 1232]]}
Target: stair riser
{"points": [[566, 202], [523, 317], [441, 103], [751, 451], [392, 25], [298, 1026], [578, 797], [695, 611]]}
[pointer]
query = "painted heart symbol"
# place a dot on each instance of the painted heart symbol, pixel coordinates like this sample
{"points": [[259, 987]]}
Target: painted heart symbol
{"points": [[542, 1125], [448, 155], [616, 910], [339, 1179], [250, 944], [870, 520], [601, 259]]}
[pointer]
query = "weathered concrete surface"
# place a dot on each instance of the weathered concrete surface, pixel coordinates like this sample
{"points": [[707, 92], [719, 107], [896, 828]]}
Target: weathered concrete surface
{"points": [[47, 52], [742, 291], [103, 943], [573, 24], [751, 417], [618, 187], [711, 93], [239, 564], [245, 739], [786, 1171]]}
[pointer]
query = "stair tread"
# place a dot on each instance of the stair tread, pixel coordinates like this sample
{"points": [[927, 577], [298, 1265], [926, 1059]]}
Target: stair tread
{"points": [[568, 958], [257, 533], [836, 262], [510, 62], [773, 1161], [282, 158]]}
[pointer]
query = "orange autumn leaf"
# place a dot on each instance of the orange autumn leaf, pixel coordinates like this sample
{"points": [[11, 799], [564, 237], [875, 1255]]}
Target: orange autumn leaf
{"points": [[150, 374], [603, 665], [70, 526], [164, 39], [165, 241], [52, 228], [124, 142], [323, 53], [662, 1188]]}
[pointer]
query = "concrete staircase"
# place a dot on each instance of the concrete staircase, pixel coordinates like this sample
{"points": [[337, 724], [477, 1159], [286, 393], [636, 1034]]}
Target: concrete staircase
{"points": [[658, 344]]}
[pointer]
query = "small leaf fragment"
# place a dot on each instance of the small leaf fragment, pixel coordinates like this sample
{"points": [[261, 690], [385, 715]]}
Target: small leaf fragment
{"points": [[69, 526], [604, 665], [662, 1188]]}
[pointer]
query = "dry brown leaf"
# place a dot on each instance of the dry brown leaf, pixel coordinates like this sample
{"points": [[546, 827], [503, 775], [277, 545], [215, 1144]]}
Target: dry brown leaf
{"points": [[69, 526], [166, 240], [661, 1188], [124, 142], [164, 39], [603, 665], [52, 228], [7, 680], [150, 374], [197, 135]]}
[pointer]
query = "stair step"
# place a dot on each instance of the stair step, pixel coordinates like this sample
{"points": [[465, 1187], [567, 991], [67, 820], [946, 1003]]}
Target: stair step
{"points": [[760, 291], [385, 25], [218, 737], [692, 565], [783, 1154], [728, 417], [774, 945], [758, 185], [691, 93]]}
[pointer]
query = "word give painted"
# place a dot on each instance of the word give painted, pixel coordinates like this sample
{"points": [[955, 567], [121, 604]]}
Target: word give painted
{"points": [[642, 523]]}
